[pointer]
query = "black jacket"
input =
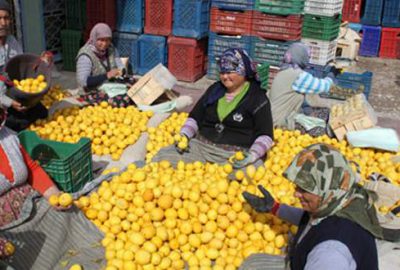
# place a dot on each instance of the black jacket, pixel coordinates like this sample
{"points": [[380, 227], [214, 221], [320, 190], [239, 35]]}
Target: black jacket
{"points": [[249, 120]]}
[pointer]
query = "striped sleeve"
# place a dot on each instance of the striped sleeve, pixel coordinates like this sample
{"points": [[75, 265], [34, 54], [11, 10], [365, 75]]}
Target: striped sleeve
{"points": [[5, 101], [190, 128], [83, 70], [308, 84], [261, 145]]}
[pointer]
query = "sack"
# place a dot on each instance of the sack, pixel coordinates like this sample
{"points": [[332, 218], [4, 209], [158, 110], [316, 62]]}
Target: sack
{"points": [[388, 195], [379, 138]]}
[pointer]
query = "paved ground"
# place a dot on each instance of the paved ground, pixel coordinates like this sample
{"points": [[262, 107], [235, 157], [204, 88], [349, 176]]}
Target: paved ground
{"points": [[384, 96]]}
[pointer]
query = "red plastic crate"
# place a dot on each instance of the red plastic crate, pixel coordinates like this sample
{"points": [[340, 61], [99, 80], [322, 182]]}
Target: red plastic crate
{"points": [[278, 27], [101, 11], [390, 43], [351, 11], [158, 17], [230, 22], [186, 58]]}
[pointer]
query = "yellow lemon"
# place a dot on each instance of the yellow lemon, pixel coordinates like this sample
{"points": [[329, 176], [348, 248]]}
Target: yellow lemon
{"points": [[65, 199]]}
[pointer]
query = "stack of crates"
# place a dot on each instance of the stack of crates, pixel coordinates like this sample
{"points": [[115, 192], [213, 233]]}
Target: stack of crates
{"points": [[276, 25], [71, 37], [129, 26], [390, 38], [187, 48], [230, 27], [100, 11], [321, 28]]}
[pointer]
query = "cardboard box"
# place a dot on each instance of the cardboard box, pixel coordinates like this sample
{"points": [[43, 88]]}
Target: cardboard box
{"points": [[152, 85]]}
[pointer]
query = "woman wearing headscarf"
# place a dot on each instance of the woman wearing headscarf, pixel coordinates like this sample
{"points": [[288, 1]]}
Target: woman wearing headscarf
{"points": [[98, 61], [42, 234], [292, 83], [338, 222], [232, 115]]}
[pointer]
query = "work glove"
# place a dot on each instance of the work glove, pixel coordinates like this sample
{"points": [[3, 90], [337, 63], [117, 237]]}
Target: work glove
{"points": [[249, 158], [182, 145], [260, 204]]}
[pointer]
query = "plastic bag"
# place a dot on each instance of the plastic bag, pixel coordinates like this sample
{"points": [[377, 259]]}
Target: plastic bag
{"points": [[379, 138]]}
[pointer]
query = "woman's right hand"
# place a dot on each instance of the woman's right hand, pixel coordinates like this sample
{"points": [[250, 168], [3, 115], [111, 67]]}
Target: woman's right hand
{"points": [[113, 73], [17, 106], [260, 204]]}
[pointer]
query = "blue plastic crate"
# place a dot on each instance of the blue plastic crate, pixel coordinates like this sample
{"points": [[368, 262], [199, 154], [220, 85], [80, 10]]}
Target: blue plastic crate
{"points": [[151, 50], [372, 14], [391, 13], [371, 39], [234, 4], [217, 44], [191, 18], [123, 43], [354, 80], [130, 16], [318, 70], [212, 69], [268, 51], [355, 26]]}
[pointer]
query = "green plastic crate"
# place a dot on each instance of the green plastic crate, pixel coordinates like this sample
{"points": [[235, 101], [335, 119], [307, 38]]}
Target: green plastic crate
{"points": [[281, 7], [263, 75], [321, 27], [69, 165], [71, 41], [75, 14]]}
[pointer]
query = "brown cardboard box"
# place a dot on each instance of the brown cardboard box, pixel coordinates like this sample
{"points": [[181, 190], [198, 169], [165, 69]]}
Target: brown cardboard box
{"points": [[151, 86]]}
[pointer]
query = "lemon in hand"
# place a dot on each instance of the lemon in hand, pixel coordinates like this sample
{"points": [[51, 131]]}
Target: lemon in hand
{"points": [[53, 200], [65, 200]]}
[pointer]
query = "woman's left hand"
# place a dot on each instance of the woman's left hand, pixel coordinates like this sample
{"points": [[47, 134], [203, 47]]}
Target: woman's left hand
{"points": [[249, 159], [55, 191]]}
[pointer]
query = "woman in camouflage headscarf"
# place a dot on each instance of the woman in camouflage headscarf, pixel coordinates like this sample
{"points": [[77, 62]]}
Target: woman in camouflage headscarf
{"points": [[338, 223]]}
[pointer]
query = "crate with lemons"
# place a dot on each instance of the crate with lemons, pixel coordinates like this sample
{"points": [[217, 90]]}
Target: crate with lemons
{"points": [[31, 85], [110, 129], [160, 217]]}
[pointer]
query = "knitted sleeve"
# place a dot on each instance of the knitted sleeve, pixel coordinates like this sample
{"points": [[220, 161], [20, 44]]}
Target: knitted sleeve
{"points": [[37, 177], [5, 101]]}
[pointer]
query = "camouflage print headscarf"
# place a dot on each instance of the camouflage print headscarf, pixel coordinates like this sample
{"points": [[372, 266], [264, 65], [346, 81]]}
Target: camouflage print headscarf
{"points": [[322, 170]]}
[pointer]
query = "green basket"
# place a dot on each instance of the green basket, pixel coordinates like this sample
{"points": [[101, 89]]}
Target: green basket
{"points": [[71, 41], [321, 27], [263, 75], [69, 165], [281, 7], [75, 14]]}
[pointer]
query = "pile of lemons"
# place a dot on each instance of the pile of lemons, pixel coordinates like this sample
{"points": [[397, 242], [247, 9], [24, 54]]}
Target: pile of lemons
{"points": [[56, 93], [165, 134], [31, 85], [110, 129], [159, 217]]}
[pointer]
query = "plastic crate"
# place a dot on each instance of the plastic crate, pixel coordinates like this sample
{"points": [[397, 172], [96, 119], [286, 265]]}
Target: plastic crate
{"points": [[230, 22], [234, 4], [263, 75], [321, 27], [318, 71], [212, 69], [279, 27], [124, 42], [372, 12], [191, 18], [354, 80], [282, 7], [69, 165], [158, 17], [391, 13], [390, 43], [268, 51], [71, 41], [323, 7], [186, 58], [371, 37], [75, 14], [101, 11], [351, 11], [151, 50], [217, 44], [130, 16], [321, 52]]}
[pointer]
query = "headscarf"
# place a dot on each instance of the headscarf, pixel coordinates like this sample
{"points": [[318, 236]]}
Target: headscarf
{"points": [[4, 5], [3, 116], [296, 56], [322, 170], [100, 30], [237, 60]]}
